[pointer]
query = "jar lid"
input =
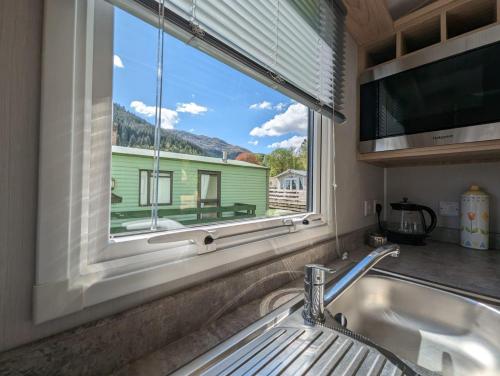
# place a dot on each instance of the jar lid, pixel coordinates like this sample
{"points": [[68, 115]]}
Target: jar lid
{"points": [[475, 190]]}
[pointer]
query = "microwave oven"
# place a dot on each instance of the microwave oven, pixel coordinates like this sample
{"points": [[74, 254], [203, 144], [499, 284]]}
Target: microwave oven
{"points": [[446, 94]]}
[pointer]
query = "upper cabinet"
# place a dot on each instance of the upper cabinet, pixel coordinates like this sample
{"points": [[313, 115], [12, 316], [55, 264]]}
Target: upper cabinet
{"points": [[382, 39]]}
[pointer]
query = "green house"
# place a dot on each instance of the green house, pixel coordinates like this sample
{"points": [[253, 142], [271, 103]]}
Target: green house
{"points": [[192, 189]]}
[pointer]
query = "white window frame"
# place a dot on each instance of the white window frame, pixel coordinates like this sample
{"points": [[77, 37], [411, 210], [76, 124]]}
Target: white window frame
{"points": [[71, 273]]}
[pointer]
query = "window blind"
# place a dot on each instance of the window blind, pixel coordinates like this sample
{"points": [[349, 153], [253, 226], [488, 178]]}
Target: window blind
{"points": [[298, 44]]}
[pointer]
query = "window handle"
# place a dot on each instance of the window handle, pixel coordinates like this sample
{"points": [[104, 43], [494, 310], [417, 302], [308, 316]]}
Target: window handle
{"points": [[305, 220], [202, 238], [310, 217]]}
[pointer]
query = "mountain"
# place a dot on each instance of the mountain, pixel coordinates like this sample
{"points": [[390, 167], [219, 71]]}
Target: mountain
{"points": [[212, 146], [132, 131]]}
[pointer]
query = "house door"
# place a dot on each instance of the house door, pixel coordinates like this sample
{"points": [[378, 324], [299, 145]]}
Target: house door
{"points": [[209, 192]]}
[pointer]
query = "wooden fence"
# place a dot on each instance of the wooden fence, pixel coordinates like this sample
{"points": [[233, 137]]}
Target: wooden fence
{"points": [[288, 200]]}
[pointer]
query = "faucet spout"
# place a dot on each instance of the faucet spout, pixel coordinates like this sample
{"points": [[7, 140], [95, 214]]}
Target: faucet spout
{"points": [[315, 296]]}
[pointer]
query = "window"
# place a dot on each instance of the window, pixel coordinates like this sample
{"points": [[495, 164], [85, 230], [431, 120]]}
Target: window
{"points": [[209, 193], [220, 117], [146, 185], [220, 121], [291, 184]]}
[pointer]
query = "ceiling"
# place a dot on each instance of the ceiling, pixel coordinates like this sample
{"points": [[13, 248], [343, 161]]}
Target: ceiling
{"points": [[370, 20], [400, 8]]}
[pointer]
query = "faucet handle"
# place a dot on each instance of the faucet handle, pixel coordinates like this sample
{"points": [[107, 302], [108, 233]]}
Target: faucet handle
{"points": [[315, 273], [321, 267]]}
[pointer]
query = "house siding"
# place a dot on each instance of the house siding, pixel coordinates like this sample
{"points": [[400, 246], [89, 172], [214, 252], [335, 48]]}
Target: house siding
{"points": [[239, 184]]}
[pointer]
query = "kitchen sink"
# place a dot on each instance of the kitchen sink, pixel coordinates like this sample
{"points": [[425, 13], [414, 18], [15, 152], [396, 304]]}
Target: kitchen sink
{"points": [[431, 331], [439, 331]]}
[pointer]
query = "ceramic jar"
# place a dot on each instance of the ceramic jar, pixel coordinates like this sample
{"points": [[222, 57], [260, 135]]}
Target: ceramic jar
{"points": [[474, 223]]}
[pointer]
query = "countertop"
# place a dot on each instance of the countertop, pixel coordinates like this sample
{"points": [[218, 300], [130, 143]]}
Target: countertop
{"points": [[473, 271]]}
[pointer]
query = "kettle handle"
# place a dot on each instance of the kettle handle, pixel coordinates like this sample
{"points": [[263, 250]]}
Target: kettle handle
{"points": [[431, 212]]}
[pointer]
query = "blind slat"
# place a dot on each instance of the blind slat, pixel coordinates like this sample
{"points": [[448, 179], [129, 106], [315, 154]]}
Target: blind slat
{"points": [[298, 42]]}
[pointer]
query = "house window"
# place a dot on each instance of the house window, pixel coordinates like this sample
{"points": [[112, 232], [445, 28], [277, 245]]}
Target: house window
{"points": [[291, 184], [146, 187], [209, 192]]}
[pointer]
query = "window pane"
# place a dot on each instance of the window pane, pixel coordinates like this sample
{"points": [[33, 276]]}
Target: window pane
{"points": [[143, 188], [134, 66], [163, 188], [209, 187], [228, 140]]}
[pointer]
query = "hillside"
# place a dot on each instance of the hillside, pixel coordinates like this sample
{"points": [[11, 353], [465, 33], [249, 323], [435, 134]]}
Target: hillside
{"points": [[132, 131]]}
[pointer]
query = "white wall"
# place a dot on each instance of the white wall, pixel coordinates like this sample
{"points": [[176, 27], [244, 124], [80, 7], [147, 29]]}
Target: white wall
{"points": [[357, 181], [428, 185], [20, 38]]}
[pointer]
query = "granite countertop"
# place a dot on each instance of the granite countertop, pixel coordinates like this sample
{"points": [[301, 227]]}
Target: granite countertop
{"points": [[447, 264]]}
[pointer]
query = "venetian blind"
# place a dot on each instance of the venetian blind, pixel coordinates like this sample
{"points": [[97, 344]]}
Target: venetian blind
{"points": [[298, 44]]}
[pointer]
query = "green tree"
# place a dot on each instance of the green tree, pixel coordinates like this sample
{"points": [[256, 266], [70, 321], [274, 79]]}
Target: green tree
{"points": [[283, 159], [262, 159], [302, 155], [280, 160]]}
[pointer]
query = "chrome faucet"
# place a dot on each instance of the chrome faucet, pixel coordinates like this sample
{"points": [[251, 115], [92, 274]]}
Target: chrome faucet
{"points": [[315, 296]]}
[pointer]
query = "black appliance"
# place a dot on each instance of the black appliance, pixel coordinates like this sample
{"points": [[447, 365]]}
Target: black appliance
{"points": [[447, 101], [411, 227]]}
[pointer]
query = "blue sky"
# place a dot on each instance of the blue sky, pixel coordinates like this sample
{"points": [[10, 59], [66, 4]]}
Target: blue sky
{"points": [[200, 94]]}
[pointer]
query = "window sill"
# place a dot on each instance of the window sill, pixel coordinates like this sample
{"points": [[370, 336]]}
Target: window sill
{"points": [[113, 279]]}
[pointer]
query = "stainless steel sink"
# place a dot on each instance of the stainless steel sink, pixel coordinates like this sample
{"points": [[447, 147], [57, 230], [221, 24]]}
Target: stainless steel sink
{"points": [[433, 331], [436, 330]]}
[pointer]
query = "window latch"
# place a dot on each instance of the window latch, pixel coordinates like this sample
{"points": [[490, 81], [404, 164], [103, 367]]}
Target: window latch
{"points": [[302, 221], [204, 239]]}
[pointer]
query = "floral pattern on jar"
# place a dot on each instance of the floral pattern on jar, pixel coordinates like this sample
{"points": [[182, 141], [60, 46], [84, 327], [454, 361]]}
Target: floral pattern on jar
{"points": [[474, 229]]}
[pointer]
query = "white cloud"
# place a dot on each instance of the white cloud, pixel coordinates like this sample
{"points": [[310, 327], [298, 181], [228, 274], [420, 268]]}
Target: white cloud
{"points": [[294, 142], [192, 130], [168, 117], [294, 119], [191, 108], [253, 142], [117, 61], [280, 106], [265, 105]]}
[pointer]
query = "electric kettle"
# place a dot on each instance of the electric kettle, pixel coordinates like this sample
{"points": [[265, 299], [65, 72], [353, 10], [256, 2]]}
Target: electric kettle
{"points": [[411, 227]]}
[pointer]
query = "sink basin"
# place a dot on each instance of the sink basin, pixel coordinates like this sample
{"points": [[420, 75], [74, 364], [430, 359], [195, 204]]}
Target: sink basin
{"points": [[439, 331], [432, 331]]}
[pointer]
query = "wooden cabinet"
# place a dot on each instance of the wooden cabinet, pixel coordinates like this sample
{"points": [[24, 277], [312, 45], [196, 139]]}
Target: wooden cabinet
{"points": [[471, 152], [436, 23]]}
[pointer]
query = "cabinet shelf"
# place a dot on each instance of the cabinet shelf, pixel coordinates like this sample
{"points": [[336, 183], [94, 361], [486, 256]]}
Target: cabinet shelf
{"points": [[471, 152], [381, 52], [429, 26], [467, 17], [421, 35]]}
